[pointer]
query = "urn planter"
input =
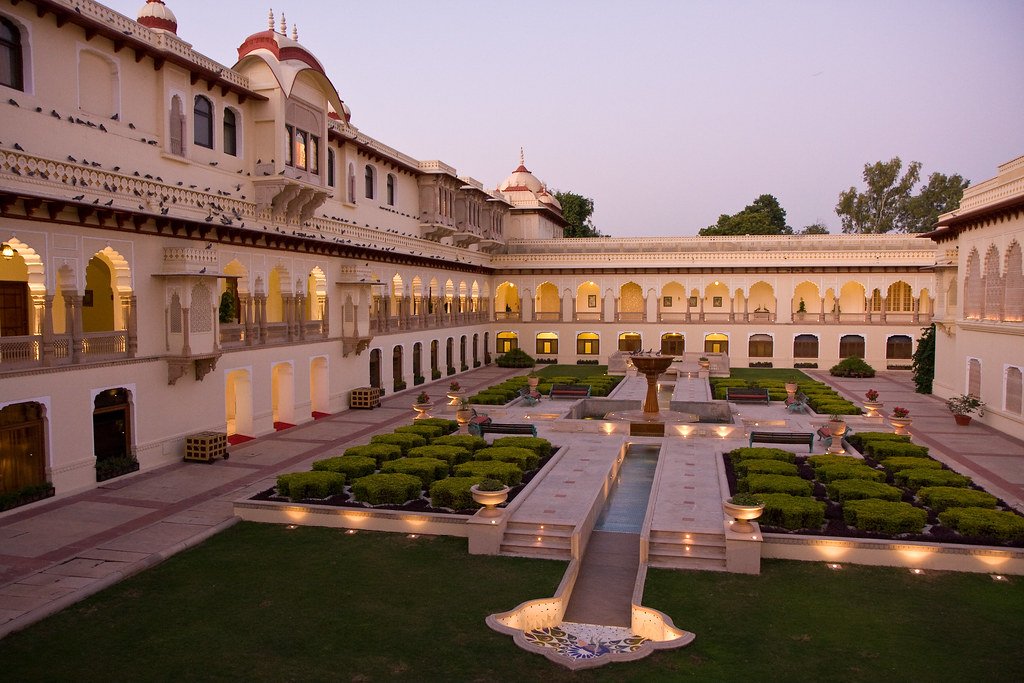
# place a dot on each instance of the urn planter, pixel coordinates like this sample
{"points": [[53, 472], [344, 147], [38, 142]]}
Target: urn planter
{"points": [[742, 514], [422, 410], [455, 397], [900, 424], [838, 429], [489, 499]]}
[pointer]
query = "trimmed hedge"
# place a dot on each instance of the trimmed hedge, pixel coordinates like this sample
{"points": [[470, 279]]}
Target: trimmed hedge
{"points": [[860, 438], [843, 490], [880, 450], [830, 473], [792, 512], [505, 472], [916, 479], [378, 451], [426, 469], [884, 516], [447, 426], [940, 498], [381, 489], [453, 493], [758, 453], [299, 485], [825, 459], [352, 466], [975, 521], [776, 483], [467, 441], [453, 455], [542, 447], [428, 432], [523, 458], [852, 367], [746, 467], [899, 464], [403, 441]]}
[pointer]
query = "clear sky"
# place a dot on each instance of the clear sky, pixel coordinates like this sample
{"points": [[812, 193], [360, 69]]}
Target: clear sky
{"points": [[666, 113]]}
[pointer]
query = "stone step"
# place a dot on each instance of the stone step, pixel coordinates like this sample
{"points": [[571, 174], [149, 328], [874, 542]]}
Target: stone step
{"points": [[698, 564], [535, 552], [709, 552], [537, 528], [539, 539], [701, 537]]}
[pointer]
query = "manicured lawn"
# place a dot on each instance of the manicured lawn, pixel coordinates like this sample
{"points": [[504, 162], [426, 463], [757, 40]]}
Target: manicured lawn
{"points": [[264, 603], [781, 374], [570, 370]]}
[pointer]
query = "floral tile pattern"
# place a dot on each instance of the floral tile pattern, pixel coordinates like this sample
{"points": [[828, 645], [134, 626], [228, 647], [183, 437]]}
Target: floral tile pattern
{"points": [[585, 641]]}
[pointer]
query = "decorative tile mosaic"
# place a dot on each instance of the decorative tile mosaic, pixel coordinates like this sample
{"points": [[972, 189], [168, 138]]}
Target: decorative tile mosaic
{"points": [[585, 641]]}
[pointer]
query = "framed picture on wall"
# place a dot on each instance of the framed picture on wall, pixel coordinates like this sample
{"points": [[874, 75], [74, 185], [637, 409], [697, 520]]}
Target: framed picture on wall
{"points": [[666, 302], [693, 302], [591, 300], [716, 302]]}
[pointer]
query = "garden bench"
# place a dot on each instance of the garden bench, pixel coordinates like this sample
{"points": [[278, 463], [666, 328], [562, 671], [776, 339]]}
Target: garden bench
{"points": [[502, 428], [747, 394], [531, 397], [570, 391], [783, 437], [825, 434], [797, 404]]}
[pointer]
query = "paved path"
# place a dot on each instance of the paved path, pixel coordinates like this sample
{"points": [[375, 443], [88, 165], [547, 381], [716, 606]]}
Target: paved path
{"points": [[55, 553], [603, 593]]}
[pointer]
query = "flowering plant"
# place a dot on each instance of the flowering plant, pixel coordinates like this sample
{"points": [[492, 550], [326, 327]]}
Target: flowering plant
{"points": [[871, 395], [423, 397], [454, 386], [965, 404], [898, 412]]}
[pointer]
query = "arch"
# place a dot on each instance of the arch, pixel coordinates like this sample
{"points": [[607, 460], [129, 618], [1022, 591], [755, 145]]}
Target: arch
{"points": [[588, 298], [351, 183], [33, 264], [630, 341], [241, 273], [449, 355], [278, 287], [370, 181], [808, 293], [547, 301], [973, 287], [112, 425], [319, 386], [462, 353], [673, 344], [230, 127], [899, 347], [16, 306], [1013, 284], [474, 296], [506, 299], [1013, 395], [760, 346], [98, 310], [417, 363], [547, 343], [476, 350], [761, 298], [506, 341], [238, 402], [851, 298], [98, 84], [899, 298], [392, 188], [316, 294], [331, 164], [974, 376], [673, 296], [435, 369], [588, 344], [716, 342], [397, 293], [176, 126], [282, 395], [375, 369], [631, 298], [805, 346], [23, 456], [993, 287], [851, 345], [202, 121], [398, 366]]}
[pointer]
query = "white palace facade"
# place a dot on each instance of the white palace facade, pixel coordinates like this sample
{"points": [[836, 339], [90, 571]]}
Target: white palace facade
{"points": [[189, 246]]}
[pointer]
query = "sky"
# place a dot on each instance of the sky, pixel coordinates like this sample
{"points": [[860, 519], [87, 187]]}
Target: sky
{"points": [[667, 114]]}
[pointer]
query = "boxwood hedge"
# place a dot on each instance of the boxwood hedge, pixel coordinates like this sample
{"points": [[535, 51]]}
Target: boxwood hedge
{"points": [[792, 512], [506, 472], [915, 479], [542, 447], [378, 451], [976, 521], [428, 432], [299, 485], [447, 426], [751, 466], [880, 450], [379, 489], [830, 473], [426, 469], [860, 438], [523, 458], [352, 466], [898, 464], [453, 455], [941, 498], [884, 516], [758, 453], [467, 441], [775, 483], [453, 493], [858, 489], [403, 441]]}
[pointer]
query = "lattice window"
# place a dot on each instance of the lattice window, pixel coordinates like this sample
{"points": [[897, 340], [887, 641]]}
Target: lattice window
{"points": [[201, 313], [899, 298], [993, 286], [974, 376], [1014, 390], [1013, 285], [175, 317]]}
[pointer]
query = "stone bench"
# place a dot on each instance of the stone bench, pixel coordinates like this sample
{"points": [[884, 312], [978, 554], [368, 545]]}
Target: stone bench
{"points": [[784, 438]]}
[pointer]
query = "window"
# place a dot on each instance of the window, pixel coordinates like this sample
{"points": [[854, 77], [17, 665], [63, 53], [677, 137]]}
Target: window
{"points": [[230, 133], [289, 152], [805, 346], [351, 184], [11, 66], [506, 341], [330, 168], [851, 345], [588, 344], [314, 155], [202, 115], [899, 346], [672, 344], [177, 125], [371, 181], [629, 341], [299, 153], [760, 346], [547, 343], [899, 298], [875, 305], [974, 376], [1014, 390], [391, 189]]}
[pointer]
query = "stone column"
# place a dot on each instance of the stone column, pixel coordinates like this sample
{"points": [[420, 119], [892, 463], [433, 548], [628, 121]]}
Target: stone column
{"points": [[73, 305], [186, 349], [245, 317], [288, 309], [821, 312], [324, 316], [261, 316], [300, 316], [130, 304], [46, 349]]}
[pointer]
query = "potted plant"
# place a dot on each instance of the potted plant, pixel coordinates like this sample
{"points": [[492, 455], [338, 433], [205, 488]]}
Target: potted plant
{"points": [[704, 362], [454, 393], [801, 310], [872, 403], [490, 493], [463, 414], [963, 406], [422, 405], [836, 428], [743, 507], [900, 419], [791, 388], [533, 379]]}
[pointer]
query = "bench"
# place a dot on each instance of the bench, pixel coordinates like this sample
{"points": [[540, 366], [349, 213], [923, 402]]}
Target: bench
{"points": [[746, 394], [825, 434], [783, 437], [570, 391], [531, 397], [797, 404], [502, 428]]}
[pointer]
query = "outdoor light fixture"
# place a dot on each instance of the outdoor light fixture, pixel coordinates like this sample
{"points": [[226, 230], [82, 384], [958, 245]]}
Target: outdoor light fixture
{"points": [[413, 536], [291, 526], [7, 251], [917, 571], [999, 577], [350, 532], [834, 566]]}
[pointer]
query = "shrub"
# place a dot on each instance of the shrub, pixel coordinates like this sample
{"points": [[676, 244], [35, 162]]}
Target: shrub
{"points": [[843, 490], [880, 450], [752, 466], [915, 479], [300, 485], [523, 458], [352, 466], [494, 469], [435, 374], [825, 459], [941, 498], [900, 464], [542, 447], [447, 426], [758, 453], [428, 432], [976, 521], [516, 358], [467, 441], [453, 455], [860, 438], [403, 441], [776, 483], [792, 512], [453, 493], [378, 451], [426, 469], [884, 516], [852, 367], [381, 489], [830, 473]]}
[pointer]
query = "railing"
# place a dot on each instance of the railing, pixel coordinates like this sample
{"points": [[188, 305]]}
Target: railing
{"points": [[27, 351], [547, 317], [718, 317], [588, 317], [20, 351], [674, 317], [632, 316], [277, 332], [105, 343], [506, 315]]}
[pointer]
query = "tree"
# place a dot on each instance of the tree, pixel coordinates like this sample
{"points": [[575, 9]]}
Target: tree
{"points": [[577, 209], [817, 228], [764, 216], [883, 206], [924, 361], [941, 194]]}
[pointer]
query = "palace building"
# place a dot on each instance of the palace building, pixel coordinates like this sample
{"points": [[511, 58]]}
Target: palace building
{"points": [[189, 246]]}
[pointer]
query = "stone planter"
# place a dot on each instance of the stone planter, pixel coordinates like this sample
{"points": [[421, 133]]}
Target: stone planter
{"points": [[533, 382], [455, 397], [872, 407], [704, 364], [422, 410], [837, 428], [900, 424], [463, 416], [742, 514], [489, 499], [962, 420], [791, 389]]}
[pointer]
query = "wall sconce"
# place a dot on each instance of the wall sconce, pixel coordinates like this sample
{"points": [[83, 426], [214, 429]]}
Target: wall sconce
{"points": [[7, 251]]}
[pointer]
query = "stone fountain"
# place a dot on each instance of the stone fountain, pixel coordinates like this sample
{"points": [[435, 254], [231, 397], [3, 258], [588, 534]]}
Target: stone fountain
{"points": [[651, 366]]}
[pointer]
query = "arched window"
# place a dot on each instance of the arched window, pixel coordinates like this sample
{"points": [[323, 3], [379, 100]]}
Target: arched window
{"points": [[1014, 390], [330, 167], [760, 346], [202, 120], [313, 154], [974, 376], [351, 184], [11, 63], [299, 149], [547, 343], [899, 346], [506, 341], [805, 346], [230, 133], [371, 181], [588, 344], [391, 189], [629, 341], [177, 127], [899, 298], [851, 345], [672, 344]]}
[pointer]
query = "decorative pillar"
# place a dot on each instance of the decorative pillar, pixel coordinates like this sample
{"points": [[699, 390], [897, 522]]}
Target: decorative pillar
{"points": [[261, 317], [821, 311], [746, 309], [245, 317], [288, 308], [885, 308], [300, 315], [700, 309], [324, 315], [73, 309], [186, 349], [130, 306], [916, 303], [46, 347]]}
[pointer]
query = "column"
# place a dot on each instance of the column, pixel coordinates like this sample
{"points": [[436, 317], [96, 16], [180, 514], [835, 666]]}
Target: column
{"points": [[73, 310], [300, 315], [288, 308], [261, 316], [324, 315], [245, 317], [46, 350], [186, 349], [130, 304]]}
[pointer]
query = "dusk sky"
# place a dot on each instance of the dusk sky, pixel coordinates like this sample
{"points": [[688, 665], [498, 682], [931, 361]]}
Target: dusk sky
{"points": [[667, 114]]}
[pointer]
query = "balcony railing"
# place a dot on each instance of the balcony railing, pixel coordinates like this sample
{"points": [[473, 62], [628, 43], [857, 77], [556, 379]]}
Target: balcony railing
{"points": [[29, 351], [632, 316], [588, 317], [547, 316]]}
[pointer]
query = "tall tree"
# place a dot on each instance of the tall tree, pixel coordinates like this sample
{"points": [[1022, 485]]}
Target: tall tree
{"points": [[942, 193], [924, 361], [763, 216], [577, 209], [816, 228], [882, 207]]}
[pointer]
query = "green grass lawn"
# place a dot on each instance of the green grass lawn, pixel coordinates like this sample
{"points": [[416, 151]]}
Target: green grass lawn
{"points": [[781, 374], [264, 603], [571, 370]]}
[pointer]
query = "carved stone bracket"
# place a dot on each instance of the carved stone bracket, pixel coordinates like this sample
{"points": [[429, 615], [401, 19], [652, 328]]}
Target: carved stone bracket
{"points": [[435, 231], [357, 344], [177, 366], [287, 199], [464, 239], [488, 245]]}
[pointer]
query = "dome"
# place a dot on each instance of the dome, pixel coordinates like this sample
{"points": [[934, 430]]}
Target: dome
{"points": [[521, 179], [283, 48], [158, 16]]}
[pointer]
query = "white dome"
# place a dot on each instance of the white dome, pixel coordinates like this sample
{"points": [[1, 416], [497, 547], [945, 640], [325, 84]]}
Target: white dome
{"points": [[156, 15]]}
